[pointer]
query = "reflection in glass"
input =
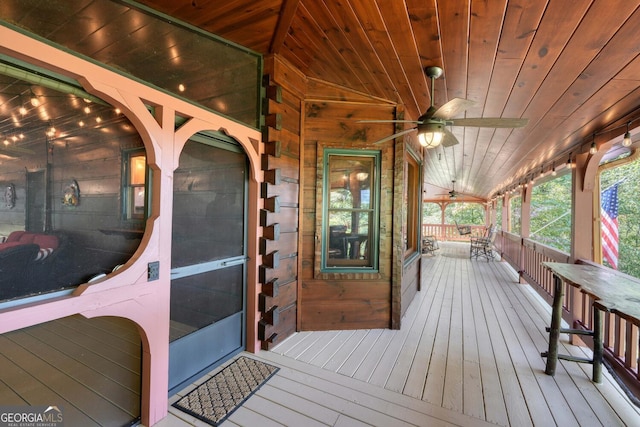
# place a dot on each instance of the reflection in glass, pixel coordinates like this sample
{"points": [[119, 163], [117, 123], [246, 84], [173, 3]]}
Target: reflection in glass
{"points": [[63, 157], [208, 213], [350, 213], [208, 237]]}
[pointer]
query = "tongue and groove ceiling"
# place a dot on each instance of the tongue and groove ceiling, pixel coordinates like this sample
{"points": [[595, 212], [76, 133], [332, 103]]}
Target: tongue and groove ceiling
{"points": [[571, 68]]}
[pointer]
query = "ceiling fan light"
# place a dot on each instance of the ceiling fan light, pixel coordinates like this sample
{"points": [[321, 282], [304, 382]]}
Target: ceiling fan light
{"points": [[430, 139]]}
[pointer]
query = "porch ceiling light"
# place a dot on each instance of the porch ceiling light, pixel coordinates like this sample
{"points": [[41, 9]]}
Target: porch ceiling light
{"points": [[430, 134]]}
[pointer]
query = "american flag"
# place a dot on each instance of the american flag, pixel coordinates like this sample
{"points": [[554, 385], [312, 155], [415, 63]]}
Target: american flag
{"points": [[609, 214]]}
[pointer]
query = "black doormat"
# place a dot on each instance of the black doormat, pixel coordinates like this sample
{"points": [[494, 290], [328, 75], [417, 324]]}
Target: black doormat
{"points": [[214, 400]]}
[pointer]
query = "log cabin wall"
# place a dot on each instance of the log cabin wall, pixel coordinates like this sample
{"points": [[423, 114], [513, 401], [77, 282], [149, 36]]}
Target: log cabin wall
{"points": [[347, 300], [303, 117], [278, 301]]}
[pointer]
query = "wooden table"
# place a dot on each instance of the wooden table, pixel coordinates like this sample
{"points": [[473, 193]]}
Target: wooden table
{"points": [[611, 290]]}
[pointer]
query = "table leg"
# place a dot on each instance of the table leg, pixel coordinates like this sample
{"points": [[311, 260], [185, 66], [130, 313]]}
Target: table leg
{"points": [[597, 345], [554, 330]]}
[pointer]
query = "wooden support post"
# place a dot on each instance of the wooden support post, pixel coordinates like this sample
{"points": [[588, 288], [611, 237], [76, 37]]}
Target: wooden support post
{"points": [[598, 348], [554, 330]]}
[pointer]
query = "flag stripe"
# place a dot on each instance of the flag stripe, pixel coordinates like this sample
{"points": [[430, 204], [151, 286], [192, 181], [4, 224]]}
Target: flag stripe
{"points": [[609, 214]]}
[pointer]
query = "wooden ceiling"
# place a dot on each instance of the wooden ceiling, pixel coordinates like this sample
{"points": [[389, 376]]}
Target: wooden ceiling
{"points": [[572, 69]]}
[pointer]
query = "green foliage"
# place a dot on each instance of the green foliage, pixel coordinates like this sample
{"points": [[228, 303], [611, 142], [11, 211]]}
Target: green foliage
{"points": [[515, 213], [551, 213], [431, 213], [464, 213]]}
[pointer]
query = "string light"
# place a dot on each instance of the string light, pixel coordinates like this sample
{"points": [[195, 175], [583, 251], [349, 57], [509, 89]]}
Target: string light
{"points": [[594, 148], [626, 141], [34, 99]]}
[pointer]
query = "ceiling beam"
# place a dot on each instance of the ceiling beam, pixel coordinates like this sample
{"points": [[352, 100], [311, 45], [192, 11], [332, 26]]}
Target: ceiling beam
{"points": [[287, 13]]}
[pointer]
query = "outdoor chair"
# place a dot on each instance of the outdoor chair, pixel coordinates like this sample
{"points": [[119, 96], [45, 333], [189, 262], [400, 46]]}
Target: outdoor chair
{"points": [[483, 246], [429, 245], [463, 229]]}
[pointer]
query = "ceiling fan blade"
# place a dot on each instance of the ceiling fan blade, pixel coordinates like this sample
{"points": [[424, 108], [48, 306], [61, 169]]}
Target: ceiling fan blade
{"points": [[388, 121], [449, 139], [452, 108], [491, 122], [394, 136]]}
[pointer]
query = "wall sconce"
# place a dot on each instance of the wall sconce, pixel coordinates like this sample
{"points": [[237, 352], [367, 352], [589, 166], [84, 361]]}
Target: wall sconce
{"points": [[430, 135], [626, 141], [594, 148]]}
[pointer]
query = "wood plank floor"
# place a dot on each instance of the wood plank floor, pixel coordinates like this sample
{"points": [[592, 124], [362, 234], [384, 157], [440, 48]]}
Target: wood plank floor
{"points": [[88, 367], [468, 353]]}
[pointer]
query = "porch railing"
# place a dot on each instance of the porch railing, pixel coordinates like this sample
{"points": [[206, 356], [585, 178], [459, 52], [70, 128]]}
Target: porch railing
{"points": [[449, 232], [621, 334]]}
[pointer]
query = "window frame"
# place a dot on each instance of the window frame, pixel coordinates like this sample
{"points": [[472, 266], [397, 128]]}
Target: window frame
{"points": [[412, 214], [127, 187], [374, 209]]}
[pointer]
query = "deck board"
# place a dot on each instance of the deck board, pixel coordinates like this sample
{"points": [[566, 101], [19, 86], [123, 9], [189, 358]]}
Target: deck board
{"points": [[481, 336], [468, 353], [59, 363]]}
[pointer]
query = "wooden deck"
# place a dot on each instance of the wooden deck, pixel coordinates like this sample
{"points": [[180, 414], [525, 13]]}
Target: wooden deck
{"points": [[468, 353], [88, 367]]}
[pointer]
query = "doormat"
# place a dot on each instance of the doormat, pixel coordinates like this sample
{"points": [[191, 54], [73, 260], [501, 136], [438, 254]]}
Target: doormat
{"points": [[214, 400]]}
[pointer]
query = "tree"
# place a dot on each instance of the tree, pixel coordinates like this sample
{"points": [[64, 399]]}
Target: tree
{"points": [[551, 213]]}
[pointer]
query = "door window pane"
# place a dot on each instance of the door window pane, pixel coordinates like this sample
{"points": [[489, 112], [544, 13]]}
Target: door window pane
{"points": [[62, 160], [350, 215], [203, 299], [208, 209]]}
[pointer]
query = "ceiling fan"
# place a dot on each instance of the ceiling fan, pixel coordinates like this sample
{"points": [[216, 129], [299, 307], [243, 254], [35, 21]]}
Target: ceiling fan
{"points": [[453, 194], [431, 126]]}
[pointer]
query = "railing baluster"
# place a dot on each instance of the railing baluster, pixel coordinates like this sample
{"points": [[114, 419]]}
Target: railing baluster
{"points": [[631, 353]]}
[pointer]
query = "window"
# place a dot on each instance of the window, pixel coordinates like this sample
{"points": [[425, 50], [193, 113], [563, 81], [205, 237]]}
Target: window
{"points": [[350, 209], [551, 213], [135, 173], [66, 191], [515, 214], [412, 206]]}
